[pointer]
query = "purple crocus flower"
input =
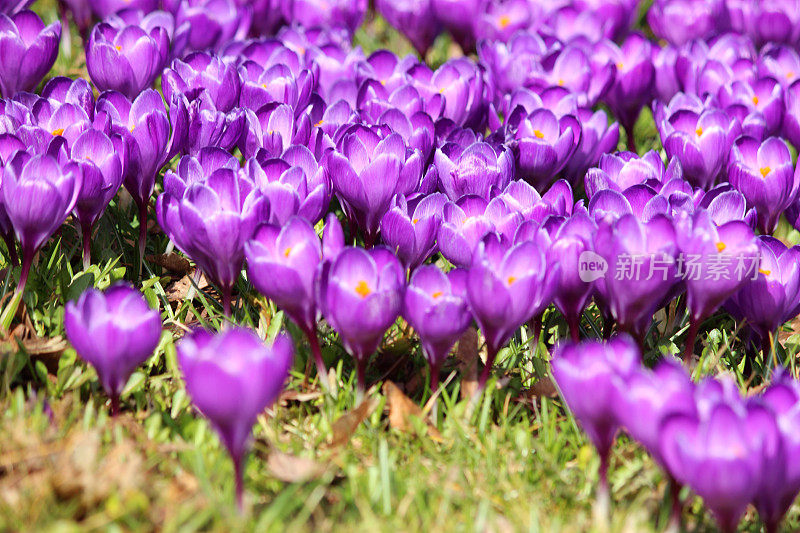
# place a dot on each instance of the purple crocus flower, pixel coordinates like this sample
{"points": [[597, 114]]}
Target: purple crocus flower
{"points": [[282, 264], [719, 452], [764, 174], [212, 23], [361, 295], [9, 145], [624, 170], [410, 229], [211, 219], [415, 19], [145, 128], [202, 72], [598, 137], [680, 21], [436, 307], [771, 296], [506, 286], [99, 160], [717, 262], [570, 242], [368, 171], [458, 18], [759, 103], [641, 268], [791, 118], [590, 376], [346, 14], [38, 194], [11, 7], [126, 60], [473, 169], [500, 20], [782, 480], [542, 143], [231, 378], [701, 142], [115, 331], [29, 51], [294, 183], [106, 8], [466, 222], [632, 86]]}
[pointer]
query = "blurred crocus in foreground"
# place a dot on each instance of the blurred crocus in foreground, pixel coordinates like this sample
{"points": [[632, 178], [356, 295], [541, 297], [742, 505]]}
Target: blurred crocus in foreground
{"points": [[589, 376], [231, 378], [115, 332]]}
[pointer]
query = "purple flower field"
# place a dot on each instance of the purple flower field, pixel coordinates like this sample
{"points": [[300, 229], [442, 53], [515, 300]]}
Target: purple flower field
{"points": [[502, 265]]}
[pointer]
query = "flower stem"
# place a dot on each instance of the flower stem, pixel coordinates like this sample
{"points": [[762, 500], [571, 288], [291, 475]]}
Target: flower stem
{"points": [[316, 352], [573, 322], [86, 235], [238, 472], [491, 354], [142, 236], [27, 261], [688, 349], [226, 300], [361, 376]]}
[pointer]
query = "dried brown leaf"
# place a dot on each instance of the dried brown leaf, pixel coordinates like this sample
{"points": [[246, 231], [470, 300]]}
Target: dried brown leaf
{"points": [[401, 407], [344, 427], [543, 388], [173, 261], [48, 351], [293, 469]]}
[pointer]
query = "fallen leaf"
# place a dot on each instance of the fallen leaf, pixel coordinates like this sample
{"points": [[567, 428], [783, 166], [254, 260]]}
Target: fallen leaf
{"points": [[401, 407], [543, 388], [48, 351], [344, 427], [293, 469], [467, 355], [179, 290], [173, 261]]}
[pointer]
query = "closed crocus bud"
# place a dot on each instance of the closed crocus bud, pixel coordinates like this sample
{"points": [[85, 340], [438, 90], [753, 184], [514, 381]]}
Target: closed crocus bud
{"points": [[145, 128], [598, 137], [680, 21], [410, 230], [701, 142], [38, 194], [466, 222], [115, 331], [282, 264], [570, 243], [718, 260], [632, 86], [127, 60], [414, 19], [506, 286], [590, 376], [458, 18], [99, 159], [720, 455], [542, 144], [211, 220], [640, 258], [361, 295], [29, 51], [367, 172], [232, 377], [437, 309], [780, 487], [345, 14], [772, 296], [212, 23], [763, 173], [332, 237], [76, 92], [473, 169]]}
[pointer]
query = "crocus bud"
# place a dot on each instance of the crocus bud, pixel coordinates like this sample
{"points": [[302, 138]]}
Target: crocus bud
{"points": [[115, 331], [29, 51]]}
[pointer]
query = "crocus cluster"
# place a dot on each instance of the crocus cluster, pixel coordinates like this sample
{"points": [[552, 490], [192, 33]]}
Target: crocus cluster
{"points": [[731, 451]]}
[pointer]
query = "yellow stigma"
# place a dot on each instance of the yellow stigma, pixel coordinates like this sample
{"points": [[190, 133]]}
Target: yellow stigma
{"points": [[721, 246], [132, 128], [538, 134], [755, 100], [561, 83], [287, 251], [699, 132], [320, 123], [789, 75], [620, 66], [441, 91], [437, 294], [765, 272], [415, 221], [765, 171], [264, 85], [362, 289], [383, 82], [59, 131], [511, 280], [505, 21], [119, 48]]}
